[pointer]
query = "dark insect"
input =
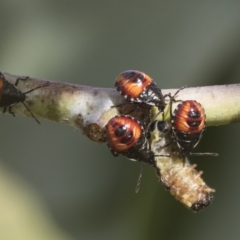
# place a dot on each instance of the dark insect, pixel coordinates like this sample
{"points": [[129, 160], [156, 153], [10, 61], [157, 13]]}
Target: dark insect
{"points": [[10, 95]]}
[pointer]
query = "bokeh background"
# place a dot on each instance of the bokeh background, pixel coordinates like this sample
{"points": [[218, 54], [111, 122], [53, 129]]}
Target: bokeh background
{"points": [[57, 184]]}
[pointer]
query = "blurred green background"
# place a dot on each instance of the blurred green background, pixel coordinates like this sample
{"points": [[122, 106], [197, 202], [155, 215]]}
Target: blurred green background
{"points": [[57, 184]]}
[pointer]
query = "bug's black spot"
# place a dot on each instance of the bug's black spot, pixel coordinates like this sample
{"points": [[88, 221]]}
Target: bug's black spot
{"points": [[127, 138], [120, 130], [128, 74], [194, 123], [194, 113]]}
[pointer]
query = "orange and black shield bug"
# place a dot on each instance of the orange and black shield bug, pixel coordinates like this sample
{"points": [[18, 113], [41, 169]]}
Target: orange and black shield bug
{"points": [[188, 124], [125, 135], [10, 95], [137, 86]]}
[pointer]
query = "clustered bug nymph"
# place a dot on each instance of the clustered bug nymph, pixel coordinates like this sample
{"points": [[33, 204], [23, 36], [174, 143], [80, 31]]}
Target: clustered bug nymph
{"points": [[137, 86], [188, 124], [10, 95], [125, 135]]}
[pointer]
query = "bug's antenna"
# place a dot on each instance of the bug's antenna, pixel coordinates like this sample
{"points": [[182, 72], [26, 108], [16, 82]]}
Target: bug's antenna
{"points": [[44, 85], [139, 178], [30, 112], [204, 154]]}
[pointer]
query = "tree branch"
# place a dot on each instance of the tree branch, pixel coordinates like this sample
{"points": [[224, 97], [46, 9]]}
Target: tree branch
{"points": [[90, 108]]}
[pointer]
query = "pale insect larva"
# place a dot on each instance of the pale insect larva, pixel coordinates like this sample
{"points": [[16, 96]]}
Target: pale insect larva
{"points": [[180, 177]]}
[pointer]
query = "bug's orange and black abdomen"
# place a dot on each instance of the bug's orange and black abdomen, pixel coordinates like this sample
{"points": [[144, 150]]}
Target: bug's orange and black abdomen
{"points": [[122, 133], [137, 86], [189, 117], [132, 83], [125, 135], [188, 124]]}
